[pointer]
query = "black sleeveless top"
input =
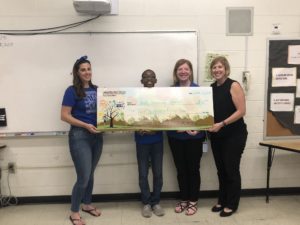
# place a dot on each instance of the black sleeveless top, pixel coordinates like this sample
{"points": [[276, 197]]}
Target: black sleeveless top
{"points": [[223, 108]]}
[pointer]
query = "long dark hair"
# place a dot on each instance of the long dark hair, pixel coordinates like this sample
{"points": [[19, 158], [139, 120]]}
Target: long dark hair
{"points": [[77, 83]]}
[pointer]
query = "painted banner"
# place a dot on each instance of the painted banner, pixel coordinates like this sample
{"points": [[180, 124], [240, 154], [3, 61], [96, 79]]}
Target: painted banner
{"points": [[157, 108]]}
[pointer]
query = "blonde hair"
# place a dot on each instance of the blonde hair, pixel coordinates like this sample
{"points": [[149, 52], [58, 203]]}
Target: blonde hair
{"points": [[223, 61]]}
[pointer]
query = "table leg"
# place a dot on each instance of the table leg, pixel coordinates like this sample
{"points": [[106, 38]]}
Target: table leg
{"points": [[269, 165]]}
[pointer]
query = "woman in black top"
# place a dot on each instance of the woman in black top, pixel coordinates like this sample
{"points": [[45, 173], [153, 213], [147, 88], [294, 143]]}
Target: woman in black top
{"points": [[228, 135]]}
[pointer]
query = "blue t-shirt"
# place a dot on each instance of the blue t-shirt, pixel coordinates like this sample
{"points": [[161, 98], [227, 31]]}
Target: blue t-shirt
{"points": [[185, 135], [84, 109], [147, 139]]}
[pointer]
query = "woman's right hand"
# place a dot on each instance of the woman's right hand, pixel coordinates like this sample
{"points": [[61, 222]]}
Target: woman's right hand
{"points": [[216, 127]]}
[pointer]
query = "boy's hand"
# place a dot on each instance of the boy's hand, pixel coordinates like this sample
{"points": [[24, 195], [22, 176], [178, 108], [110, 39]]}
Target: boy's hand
{"points": [[148, 132]]}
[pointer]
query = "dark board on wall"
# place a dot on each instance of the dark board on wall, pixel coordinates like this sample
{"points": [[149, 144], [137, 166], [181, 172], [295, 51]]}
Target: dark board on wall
{"points": [[280, 118], [35, 70]]}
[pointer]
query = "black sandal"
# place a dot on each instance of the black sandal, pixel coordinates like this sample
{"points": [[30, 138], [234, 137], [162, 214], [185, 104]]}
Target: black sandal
{"points": [[181, 206], [223, 213], [191, 209], [217, 208]]}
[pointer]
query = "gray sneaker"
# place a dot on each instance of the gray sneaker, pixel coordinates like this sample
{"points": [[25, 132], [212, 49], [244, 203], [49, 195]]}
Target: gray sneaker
{"points": [[158, 210], [146, 211]]}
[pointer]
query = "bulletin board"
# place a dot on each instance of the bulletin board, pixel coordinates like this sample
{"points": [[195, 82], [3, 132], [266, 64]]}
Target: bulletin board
{"points": [[36, 70], [282, 109]]}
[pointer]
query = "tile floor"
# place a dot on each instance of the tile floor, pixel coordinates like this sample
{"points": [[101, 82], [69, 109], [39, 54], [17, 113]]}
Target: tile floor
{"points": [[282, 210]]}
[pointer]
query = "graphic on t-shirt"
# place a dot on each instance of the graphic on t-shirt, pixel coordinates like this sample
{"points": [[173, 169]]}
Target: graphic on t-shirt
{"points": [[90, 101]]}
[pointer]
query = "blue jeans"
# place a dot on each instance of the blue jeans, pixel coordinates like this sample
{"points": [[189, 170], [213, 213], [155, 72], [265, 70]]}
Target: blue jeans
{"points": [[85, 149], [144, 153]]}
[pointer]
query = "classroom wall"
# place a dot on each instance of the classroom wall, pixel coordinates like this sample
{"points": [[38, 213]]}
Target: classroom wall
{"points": [[44, 166]]}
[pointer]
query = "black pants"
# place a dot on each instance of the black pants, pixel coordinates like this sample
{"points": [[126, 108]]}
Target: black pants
{"points": [[187, 155], [227, 154]]}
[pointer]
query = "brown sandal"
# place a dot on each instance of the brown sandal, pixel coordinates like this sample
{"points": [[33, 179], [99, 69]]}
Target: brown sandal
{"points": [[76, 221], [93, 211], [181, 206]]}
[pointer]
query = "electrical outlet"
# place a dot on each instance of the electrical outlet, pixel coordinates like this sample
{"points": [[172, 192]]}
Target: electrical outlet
{"points": [[11, 167], [276, 28]]}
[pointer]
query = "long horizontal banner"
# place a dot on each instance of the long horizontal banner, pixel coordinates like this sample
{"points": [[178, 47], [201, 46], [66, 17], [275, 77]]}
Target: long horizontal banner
{"points": [[168, 108]]}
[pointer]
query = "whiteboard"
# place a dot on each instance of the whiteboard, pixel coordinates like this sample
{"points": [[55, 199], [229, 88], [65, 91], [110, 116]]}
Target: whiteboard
{"points": [[36, 70]]}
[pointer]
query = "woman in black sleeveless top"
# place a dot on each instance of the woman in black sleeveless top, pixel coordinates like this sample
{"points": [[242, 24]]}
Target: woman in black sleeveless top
{"points": [[228, 135]]}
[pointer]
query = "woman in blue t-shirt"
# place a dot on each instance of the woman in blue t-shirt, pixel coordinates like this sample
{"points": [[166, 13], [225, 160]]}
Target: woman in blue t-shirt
{"points": [[85, 142], [186, 147]]}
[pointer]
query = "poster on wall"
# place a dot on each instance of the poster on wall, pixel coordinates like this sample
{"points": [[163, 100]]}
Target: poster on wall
{"points": [[169, 108], [284, 77], [297, 115], [298, 89], [282, 102], [294, 54]]}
